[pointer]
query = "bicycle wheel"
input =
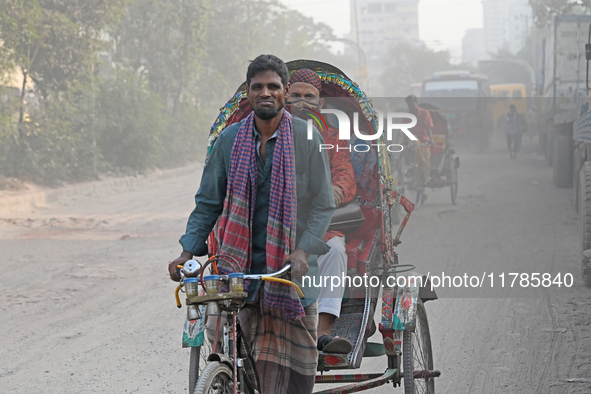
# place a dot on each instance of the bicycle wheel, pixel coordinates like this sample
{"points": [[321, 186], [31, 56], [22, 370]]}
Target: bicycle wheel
{"points": [[452, 179], [417, 355], [217, 378], [197, 363]]}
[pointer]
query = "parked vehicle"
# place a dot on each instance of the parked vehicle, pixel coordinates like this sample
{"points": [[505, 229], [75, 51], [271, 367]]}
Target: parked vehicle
{"points": [[465, 100], [582, 156], [505, 95], [563, 94]]}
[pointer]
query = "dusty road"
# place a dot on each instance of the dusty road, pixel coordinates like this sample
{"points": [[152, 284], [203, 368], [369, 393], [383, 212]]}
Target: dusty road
{"points": [[87, 306]]}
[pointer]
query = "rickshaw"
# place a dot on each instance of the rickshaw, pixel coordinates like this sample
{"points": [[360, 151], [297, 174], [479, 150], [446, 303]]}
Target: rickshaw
{"points": [[406, 342], [444, 163]]}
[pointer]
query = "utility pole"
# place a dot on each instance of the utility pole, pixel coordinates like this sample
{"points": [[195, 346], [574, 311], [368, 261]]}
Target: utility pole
{"points": [[357, 29], [92, 121], [361, 72]]}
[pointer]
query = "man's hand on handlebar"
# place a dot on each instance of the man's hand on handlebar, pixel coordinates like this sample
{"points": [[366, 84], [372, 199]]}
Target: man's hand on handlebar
{"points": [[172, 267], [299, 263]]}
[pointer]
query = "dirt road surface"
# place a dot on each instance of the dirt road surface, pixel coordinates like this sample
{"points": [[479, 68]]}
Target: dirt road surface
{"points": [[87, 306]]}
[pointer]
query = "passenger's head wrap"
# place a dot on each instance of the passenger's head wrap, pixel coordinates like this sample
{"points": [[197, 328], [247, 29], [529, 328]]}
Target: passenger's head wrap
{"points": [[307, 76]]}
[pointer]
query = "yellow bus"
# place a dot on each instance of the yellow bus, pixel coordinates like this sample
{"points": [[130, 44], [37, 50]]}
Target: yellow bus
{"points": [[506, 95]]}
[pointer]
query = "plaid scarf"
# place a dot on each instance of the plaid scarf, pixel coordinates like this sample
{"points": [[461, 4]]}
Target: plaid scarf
{"points": [[235, 225]]}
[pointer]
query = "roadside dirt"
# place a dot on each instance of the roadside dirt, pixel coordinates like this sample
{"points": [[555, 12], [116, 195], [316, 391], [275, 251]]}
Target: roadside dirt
{"points": [[87, 306]]}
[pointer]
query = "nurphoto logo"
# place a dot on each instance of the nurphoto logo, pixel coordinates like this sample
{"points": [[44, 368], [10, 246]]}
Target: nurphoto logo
{"points": [[345, 128]]}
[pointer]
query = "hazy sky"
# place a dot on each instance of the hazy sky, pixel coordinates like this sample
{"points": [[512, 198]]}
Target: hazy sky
{"points": [[442, 23]]}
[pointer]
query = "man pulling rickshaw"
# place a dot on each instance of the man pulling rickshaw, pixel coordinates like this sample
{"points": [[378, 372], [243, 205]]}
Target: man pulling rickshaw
{"points": [[268, 193], [270, 188]]}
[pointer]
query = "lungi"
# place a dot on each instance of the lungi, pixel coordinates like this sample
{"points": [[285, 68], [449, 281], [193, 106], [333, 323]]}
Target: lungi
{"points": [[424, 157], [285, 353]]}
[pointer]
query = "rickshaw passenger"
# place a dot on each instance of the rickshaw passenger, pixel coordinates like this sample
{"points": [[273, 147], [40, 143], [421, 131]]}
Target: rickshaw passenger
{"points": [[248, 184], [422, 131], [305, 94]]}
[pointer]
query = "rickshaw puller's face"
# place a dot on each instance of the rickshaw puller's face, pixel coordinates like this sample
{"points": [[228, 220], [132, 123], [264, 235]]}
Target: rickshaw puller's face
{"points": [[303, 95], [266, 94]]}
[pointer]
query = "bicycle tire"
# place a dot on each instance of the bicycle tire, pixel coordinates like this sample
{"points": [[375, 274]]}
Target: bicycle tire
{"points": [[215, 375], [417, 354], [194, 362], [197, 363], [453, 183]]}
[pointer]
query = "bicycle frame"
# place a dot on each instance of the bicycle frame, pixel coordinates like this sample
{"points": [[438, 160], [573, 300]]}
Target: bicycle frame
{"points": [[230, 302]]}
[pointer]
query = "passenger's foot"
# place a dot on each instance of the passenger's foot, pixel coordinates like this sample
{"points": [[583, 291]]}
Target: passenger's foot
{"points": [[328, 344]]}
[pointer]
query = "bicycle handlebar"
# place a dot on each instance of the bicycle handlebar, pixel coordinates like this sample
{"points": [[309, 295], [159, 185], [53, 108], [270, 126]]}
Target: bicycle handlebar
{"points": [[196, 267], [282, 271], [193, 268], [273, 277]]}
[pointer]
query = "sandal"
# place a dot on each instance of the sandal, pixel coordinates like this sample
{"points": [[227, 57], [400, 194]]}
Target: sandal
{"points": [[328, 344]]}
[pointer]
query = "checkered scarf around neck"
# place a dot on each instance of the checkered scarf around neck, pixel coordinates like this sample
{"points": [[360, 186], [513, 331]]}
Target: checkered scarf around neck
{"points": [[235, 225]]}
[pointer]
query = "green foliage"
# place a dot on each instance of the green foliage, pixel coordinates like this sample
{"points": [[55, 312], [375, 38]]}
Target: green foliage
{"points": [[54, 41], [130, 123], [125, 85], [164, 40], [545, 10], [52, 143], [239, 31], [185, 137]]}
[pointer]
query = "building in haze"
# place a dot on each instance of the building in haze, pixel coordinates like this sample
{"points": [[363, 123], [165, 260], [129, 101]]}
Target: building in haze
{"points": [[506, 24], [473, 48], [519, 23], [376, 26]]}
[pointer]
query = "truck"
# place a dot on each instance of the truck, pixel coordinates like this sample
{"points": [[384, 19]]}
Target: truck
{"points": [[563, 95], [465, 99], [563, 83]]}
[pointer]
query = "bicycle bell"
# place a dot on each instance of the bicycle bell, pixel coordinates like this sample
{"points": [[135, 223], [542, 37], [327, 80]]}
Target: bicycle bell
{"points": [[191, 268]]}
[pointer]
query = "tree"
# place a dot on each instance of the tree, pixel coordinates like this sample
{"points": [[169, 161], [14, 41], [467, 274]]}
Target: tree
{"points": [[53, 42], [164, 40], [411, 63], [545, 10], [241, 30], [124, 85]]}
